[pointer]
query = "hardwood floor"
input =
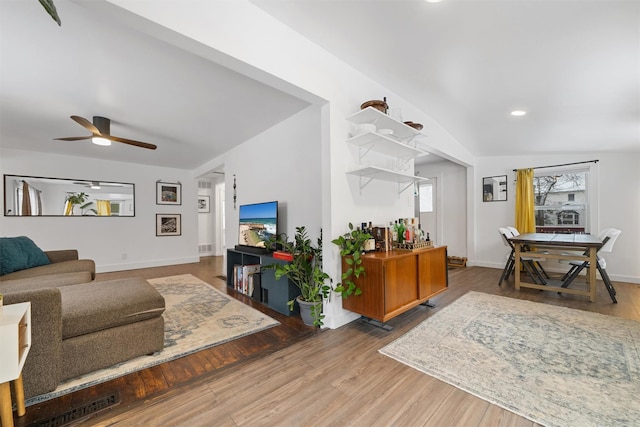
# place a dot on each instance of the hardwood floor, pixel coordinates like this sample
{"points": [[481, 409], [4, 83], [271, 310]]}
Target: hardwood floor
{"points": [[302, 377]]}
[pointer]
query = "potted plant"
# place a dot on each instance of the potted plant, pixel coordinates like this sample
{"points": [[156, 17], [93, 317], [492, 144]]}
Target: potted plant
{"points": [[76, 199], [304, 271], [351, 246]]}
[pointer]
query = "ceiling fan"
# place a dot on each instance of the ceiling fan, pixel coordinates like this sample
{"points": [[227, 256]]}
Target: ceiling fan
{"points": [[96, 185], [100, 133]]}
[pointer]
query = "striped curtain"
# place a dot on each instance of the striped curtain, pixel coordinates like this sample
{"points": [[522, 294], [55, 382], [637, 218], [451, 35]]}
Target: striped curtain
{"points": [[525, 202]]}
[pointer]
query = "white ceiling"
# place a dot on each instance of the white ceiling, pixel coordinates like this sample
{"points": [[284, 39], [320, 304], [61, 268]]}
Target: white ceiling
{"points": [[573, 65], [191, 108]]}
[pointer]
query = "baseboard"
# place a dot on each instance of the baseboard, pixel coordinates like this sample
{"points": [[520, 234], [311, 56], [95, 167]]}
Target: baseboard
{"points": [[145, 264]]}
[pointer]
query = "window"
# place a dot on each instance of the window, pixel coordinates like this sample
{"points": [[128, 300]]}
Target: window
{"points": [[426, 198], [561, 202]]}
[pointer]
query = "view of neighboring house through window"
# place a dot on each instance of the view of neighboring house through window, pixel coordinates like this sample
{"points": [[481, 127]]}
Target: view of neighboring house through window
{"points": [[561, 202]]}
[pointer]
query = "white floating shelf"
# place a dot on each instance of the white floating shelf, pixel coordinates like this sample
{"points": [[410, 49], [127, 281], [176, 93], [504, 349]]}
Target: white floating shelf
{"points": [[386, 145], [383, 121]]}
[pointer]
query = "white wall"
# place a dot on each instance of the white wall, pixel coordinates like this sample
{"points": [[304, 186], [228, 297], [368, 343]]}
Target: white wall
{"points": [[206, 220], [114, 243], [618, 195], [280, 164]]}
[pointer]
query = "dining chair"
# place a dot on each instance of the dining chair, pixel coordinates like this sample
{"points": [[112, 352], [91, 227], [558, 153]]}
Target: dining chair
{"points": [[528, 262], [514, 231], [608, 237]]}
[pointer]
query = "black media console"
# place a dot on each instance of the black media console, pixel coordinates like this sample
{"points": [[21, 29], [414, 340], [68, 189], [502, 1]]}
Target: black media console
{"points": [[274, 293]]}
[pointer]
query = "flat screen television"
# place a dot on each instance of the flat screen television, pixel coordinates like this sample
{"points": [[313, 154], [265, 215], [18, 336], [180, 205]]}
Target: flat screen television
{"points": [[258, 224]]}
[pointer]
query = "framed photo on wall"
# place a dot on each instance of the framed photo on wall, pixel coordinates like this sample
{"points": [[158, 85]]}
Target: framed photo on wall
{"points": [[168, 225], [494, 188], [168, 193], [203, 204]]}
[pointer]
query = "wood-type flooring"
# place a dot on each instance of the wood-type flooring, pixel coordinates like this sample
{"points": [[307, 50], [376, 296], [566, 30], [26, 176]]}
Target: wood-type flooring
{"points": [[293, 375]]}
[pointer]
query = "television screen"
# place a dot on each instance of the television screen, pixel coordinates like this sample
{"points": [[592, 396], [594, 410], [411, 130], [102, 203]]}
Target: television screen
{"points": [[258, 223]]}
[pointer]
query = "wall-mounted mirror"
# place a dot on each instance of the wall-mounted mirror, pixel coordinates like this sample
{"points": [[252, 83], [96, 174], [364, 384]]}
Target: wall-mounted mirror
{"points": [[39, 196], [494, 188]]}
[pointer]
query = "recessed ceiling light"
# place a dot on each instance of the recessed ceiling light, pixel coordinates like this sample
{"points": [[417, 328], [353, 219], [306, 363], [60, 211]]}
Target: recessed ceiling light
{"points": [[518, 113], [433, 1]]}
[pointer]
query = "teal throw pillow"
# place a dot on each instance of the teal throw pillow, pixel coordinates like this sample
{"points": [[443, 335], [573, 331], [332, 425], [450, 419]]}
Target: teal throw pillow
{"points": [[19, 253]]}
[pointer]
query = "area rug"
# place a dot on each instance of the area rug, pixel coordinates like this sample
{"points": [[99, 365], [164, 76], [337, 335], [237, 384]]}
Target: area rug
{"points": [[197, 316], [553, 365]]}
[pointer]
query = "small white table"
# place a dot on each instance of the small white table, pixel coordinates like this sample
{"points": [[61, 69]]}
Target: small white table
{"points": [[15, 336]]}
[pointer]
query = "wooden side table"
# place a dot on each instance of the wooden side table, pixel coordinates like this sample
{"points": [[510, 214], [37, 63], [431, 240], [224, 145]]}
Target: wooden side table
{"points": [[15, 336]]}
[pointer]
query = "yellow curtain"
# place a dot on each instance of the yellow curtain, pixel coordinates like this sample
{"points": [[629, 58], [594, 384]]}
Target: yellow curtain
{"points": [[68, 208], [103, 207], [525, 216]]}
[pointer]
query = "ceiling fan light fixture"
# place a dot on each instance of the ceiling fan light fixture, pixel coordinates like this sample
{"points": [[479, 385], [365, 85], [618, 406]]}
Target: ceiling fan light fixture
{"points": [[101, 141]]}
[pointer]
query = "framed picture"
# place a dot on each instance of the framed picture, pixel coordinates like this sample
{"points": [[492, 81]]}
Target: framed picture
{"points": [[203, 204], [168, 225], [168, 193], [494, 188]]}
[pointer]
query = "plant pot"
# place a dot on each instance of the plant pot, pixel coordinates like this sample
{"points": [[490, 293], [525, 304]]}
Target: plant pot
{"points": [[305, 310]]}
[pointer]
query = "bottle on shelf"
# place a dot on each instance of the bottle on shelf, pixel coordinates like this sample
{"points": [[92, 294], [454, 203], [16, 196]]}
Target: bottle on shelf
{"points": [[407, 231], [393, 229], [400, 230], [414, 231]]}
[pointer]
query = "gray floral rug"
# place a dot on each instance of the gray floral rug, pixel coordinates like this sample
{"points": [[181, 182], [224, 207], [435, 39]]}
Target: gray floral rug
{"points": [[553, 365], [197, 316]]}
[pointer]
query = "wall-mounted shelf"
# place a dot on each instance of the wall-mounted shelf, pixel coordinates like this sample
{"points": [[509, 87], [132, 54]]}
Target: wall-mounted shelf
{"points": [[397, 145], [384, 121], [369, 173], [372, 141]]}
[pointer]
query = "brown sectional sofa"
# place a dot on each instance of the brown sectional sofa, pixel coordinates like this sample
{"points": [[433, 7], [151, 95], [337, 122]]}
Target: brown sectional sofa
{"points": [[79, 325]]}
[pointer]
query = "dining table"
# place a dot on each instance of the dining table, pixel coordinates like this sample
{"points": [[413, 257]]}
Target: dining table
{"points": [[584, 247]]}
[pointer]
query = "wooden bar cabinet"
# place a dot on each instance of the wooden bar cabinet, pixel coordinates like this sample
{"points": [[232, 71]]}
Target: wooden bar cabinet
{"points": [[397, 281]]}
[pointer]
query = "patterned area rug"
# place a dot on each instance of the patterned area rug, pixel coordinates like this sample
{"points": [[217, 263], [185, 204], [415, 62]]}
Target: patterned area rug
{"points": [[197, 316], [553, 365]]}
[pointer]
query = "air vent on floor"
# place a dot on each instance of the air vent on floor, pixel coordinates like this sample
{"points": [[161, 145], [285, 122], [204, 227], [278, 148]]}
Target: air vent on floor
{"points": [[79, 413], [205, 248]]}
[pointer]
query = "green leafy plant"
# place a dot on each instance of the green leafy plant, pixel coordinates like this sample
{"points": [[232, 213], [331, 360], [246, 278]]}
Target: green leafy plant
{"points": [[351, 246], [51, 10], [304, 270], [76, 199]]}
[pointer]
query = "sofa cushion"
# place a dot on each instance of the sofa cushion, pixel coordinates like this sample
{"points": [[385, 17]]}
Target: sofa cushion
{"points": [[20, 253], [80, 265], [96, 306], [44, 282]]}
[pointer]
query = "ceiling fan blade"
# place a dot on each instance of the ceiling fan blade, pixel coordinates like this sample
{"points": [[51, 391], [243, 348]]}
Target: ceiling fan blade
{"points": [[74, 138], [85, 123], [131, 142]]}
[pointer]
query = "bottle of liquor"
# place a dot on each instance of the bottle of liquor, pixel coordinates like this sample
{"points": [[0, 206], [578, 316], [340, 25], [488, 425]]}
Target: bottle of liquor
{"points": [[401, 230], [420, 233], [407, 231], [414, 231], [393, 229]]}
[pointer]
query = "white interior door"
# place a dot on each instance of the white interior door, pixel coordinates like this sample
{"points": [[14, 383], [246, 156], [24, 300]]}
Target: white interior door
{"points": [[426, 203]]}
